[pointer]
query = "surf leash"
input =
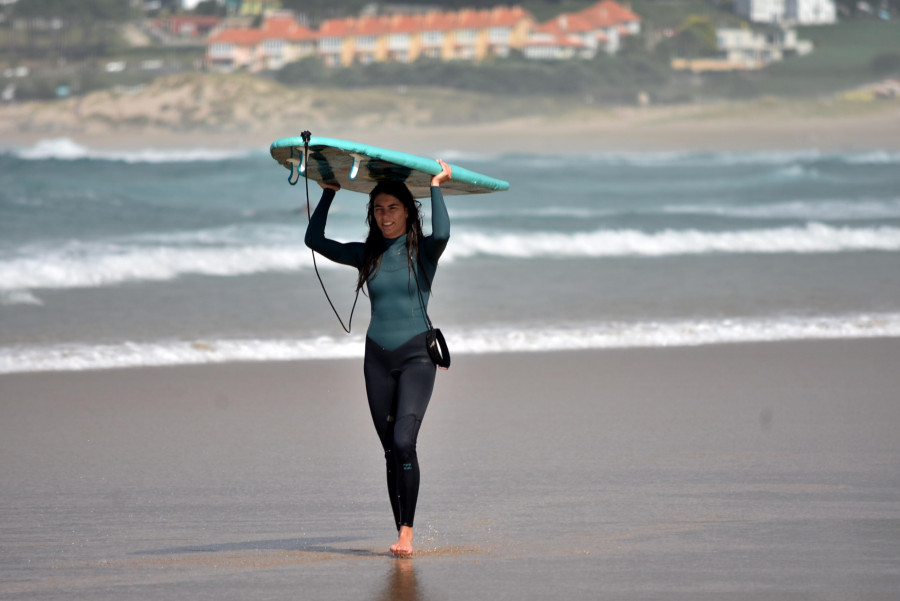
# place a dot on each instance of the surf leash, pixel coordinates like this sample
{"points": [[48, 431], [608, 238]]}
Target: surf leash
{"points": [[305, 135]]}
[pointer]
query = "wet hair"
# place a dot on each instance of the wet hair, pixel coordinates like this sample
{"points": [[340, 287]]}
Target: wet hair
{"points": [[375, 239]]}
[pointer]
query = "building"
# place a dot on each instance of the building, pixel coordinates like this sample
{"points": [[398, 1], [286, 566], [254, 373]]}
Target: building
{"points": [[471, 35], [797, 12], [257, 7], [746, 49], [278, 41], [811, 12], [583, 33], [467, 35]]}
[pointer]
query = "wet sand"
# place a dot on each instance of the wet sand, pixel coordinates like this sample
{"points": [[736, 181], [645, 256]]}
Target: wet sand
{"points": [[758, 471]]}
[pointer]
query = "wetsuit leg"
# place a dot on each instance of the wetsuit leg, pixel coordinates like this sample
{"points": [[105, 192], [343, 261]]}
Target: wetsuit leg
{"points": [[399, 384], [381, 389]]}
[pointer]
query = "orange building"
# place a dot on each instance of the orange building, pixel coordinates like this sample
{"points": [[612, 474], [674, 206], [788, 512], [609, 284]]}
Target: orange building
{"points": [[464, 35], [470, 35]]}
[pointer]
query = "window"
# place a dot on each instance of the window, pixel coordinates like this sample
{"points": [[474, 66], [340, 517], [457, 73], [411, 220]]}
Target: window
{"points": [[499, 35], [465, 36], [433, 38], [273, 46], [221, 49], [331, 44], [398, 40]]}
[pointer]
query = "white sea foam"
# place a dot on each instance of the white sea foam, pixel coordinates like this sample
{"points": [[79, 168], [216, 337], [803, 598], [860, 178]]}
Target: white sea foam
{"points": [[824, 210], [96, 265], [877, 157], [225, 252], [510, 338], [806, 210], [812, 238], [18, 297], [65, 149]]}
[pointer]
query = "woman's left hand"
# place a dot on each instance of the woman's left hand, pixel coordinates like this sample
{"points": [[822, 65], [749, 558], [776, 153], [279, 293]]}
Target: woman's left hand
{"points": [[443, 176]]}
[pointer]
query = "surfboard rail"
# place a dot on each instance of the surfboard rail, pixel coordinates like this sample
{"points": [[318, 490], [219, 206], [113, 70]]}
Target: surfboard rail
{"points": [[356, 166]]}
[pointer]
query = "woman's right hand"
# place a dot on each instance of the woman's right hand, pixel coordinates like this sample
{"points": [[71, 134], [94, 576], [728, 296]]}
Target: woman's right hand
{"points": [[443, 176]]}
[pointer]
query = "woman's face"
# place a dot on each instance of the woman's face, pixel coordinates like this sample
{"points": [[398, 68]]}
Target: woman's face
{"points": [[390, 215]]}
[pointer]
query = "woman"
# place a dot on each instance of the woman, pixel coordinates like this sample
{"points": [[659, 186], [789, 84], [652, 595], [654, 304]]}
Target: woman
{"points": [[397, 264]]}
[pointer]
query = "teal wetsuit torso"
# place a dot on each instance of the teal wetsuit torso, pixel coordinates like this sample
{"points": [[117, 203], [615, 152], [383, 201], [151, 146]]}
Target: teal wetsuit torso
{"points": [[397, 311]]}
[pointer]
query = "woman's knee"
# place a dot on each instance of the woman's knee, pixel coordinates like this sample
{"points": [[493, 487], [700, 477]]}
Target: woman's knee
{"points": [[406, 430]]}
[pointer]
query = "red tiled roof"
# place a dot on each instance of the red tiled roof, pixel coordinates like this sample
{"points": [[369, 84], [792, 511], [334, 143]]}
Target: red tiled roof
{"points": [[286, 28], [283, 28], [439, 21], [569, 23], [405, 24], [607, 14], [241, 37], [432, 21], [337, 27], [503, 16]]}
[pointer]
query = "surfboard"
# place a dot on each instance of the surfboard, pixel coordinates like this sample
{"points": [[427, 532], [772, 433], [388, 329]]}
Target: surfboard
{"points": [[359, 167]]}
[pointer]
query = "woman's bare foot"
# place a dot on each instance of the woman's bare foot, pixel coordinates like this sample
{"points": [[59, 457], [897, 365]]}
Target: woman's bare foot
{"points": [[403, 547]]}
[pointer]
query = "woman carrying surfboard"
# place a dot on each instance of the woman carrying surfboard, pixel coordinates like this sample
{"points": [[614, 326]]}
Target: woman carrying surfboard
{"points": [[397, 263]]}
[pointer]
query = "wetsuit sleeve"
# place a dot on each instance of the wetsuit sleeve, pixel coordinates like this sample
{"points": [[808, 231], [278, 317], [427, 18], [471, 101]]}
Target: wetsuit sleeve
{"points": [[346, 254], [440, 226]]}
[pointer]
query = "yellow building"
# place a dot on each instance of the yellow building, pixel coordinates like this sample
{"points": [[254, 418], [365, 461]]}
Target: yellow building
{"points": [[252, 8]]}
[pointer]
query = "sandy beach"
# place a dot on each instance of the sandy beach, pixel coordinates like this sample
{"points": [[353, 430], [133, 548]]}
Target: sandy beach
{"points": [[213, 111], [753, 471]]}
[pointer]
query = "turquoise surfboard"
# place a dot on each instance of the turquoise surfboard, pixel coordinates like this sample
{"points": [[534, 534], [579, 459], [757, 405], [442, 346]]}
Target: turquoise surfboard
{"points": [[359, 167]]}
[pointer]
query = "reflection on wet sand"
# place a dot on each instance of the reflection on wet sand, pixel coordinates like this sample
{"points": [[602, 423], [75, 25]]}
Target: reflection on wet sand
{"points": [[400, 583]]}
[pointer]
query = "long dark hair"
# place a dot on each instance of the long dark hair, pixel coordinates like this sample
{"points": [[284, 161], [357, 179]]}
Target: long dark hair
{"points": [[375, 239]]}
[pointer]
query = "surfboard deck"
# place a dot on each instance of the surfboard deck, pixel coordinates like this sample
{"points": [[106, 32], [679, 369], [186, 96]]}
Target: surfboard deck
{"points": [[359, 167]]}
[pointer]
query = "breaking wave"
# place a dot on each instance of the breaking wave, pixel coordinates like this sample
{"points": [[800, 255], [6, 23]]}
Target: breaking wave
{"points": [[261, 249], [76, 357]]}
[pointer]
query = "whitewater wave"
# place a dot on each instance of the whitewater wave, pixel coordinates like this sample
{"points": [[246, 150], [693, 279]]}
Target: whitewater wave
{"points": [[228, 252], [509, 339], [823, 210], [66, 149], [813, 238], [705, 159], [97, 265], [806, 210], [63, 148]]}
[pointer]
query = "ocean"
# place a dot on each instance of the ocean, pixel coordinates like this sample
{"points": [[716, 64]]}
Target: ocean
{"points": [[146, 258]]}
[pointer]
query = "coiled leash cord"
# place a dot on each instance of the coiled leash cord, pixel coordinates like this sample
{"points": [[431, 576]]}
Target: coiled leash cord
{"points": [[305, 135]]}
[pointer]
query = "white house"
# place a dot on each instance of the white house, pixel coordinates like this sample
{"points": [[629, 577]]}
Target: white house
{"points": [[583, 33], [761, 11], [745, 49], [811, 12], [797, 12]]}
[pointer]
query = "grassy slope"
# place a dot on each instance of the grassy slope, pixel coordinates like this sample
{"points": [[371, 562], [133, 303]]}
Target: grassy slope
{"points": [[841, 59]]}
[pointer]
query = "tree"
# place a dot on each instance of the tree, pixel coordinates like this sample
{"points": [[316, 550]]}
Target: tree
{"points": [[210, 7], [100, 10], [696, 37]]}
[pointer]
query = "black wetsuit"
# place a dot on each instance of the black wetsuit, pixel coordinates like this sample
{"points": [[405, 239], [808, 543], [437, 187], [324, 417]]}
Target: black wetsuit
{"points": [[399, 373]]}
